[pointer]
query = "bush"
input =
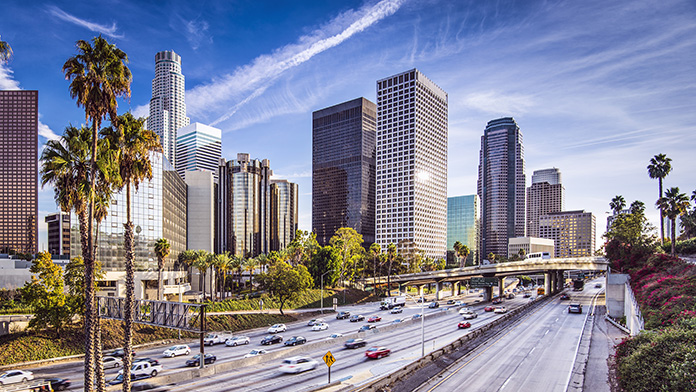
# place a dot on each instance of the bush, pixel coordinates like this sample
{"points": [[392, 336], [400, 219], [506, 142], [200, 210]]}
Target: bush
{"points": [[309, 299]]}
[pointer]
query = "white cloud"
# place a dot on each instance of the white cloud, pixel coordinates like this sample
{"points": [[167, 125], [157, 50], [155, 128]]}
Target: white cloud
{"points": [[47, 132], [499, 103], [197, 32], [294, 175], [110, 31], [6, 80], [141, 111]]}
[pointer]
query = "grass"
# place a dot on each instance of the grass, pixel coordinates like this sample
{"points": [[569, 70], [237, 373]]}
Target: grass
{"points": [[310, 299]]}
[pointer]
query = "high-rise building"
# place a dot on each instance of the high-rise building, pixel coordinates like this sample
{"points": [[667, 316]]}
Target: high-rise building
{"points": [[284, 197], [411, 186], [546, 194], [343, 169], [198, 147], [168, 105], [530, 245], [463, 223], [573, 232], [200, 207], [19, 132], [58, 234], [501, 186]]}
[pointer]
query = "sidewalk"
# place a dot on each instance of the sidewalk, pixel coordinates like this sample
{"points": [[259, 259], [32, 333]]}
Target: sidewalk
{"points": [[605, 337]]}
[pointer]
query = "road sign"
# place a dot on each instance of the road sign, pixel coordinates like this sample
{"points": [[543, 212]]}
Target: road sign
{"points": [[484, 282], [329, 359]]}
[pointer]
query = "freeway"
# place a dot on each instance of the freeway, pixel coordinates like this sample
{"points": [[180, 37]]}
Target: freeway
{"points": [[537, 354]]}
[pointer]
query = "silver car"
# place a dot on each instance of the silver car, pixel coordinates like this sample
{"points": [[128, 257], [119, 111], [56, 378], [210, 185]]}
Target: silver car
{"points": [[112, 362], [236, 341], [181, 349]]}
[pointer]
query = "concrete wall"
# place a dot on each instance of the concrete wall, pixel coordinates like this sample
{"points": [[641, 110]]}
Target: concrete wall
{"points": [[622, 302]]}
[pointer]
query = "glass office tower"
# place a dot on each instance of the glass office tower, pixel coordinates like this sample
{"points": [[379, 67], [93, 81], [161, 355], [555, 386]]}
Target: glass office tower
{"points": [[463, 222]]}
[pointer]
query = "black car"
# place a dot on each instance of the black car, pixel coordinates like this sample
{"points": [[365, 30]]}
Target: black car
{"points": [[565, 297], [295, 340], [450, 302], [342, 315], [357, 317], [434, 305], [196, 360], [152, 361], [272, 339], [355, 343], [366, 328], [421, 299], [119, 353], [119, 378], [59, 384]]}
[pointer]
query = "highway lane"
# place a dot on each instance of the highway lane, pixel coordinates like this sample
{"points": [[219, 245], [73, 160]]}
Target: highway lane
{"points": [[535, 355]]}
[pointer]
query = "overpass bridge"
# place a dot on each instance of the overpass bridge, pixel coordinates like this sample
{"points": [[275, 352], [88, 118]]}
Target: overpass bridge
{"points": [[552, 269]]}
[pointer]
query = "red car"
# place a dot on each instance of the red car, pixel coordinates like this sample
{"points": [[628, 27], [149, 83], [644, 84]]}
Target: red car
{"points": [[374, 319], [488, 308], [377, 352], [464, 324]]}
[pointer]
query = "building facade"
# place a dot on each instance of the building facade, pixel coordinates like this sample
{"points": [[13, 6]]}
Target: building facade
{"points": [[58, 234], [200, 219], [411, 182], [573, 232], [343, 169], [530, 245], [284, 218], [19, 132], [546, 194], [198, 147], [463, 224], [501, 186], [168, 104]]}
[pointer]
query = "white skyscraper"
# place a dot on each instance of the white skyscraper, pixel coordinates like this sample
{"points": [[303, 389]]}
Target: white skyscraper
{"points": [[411, 205], [168, 105], [198, 147]]}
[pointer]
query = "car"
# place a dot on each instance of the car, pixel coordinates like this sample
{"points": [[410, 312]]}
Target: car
{"points": [[173, 351], [144, 369], [236, 341], [469, 315], [277, 328], [151, 361], [15, 376], [297, 364], [416, 316], [575, 308], [254, 353], [134, 377], [366, 328], [527, 295], [342, 315], [460, 303], [112, 362], [480, 294], [312, 322], [396, 310], [464, 310], [450, 302], [497, 300], [59, 384], [500, 309], [295, 340], [320, 327], [356, 317], [598, 285], [511, 296], [434, 305], [464, 324], [377, 352], [421, 299], [336, 335], [564, 297], [374, 319], [396, 321], [196, 360], [488, 309], [271, 339], [354, 343], [120, 353]]}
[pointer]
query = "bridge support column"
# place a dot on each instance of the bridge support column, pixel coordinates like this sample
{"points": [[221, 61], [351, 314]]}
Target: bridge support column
{"points": [[438, 291], [559, 280], [547, 283], [488, 294], [456, 288], [501, 286], [420, 290]]}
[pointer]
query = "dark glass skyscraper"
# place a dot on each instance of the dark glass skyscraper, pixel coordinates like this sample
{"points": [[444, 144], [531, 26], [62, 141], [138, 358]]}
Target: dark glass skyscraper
{"points": [[19, 118], [501, 186], [343, 169]]}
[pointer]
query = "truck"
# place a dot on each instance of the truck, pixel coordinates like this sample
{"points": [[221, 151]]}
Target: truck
{"points": [[215, 338], [578, 285], [144, 369], [391, 302]]}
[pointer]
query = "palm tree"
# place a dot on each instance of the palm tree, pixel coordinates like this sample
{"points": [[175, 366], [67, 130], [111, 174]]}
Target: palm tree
{"points": [[617, 204], [673, 204], [98, 76], [202, 262], [162, 250], [374, 251], [249, 265], [5, 51], [223, 263], [391, 253], [521, 253], [659, 168]]}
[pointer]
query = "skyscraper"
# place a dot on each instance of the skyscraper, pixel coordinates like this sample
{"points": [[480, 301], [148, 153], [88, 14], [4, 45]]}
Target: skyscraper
{"points": [[58, 225], [573, 232], [501, 186], [284, 196], [546, 194], [168, 105], [343, 169], [198, 147], [19, 132], [412, 163], [463, 224]]}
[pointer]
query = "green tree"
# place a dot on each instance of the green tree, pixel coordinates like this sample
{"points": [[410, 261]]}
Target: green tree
{"points": [[223, 263], [302, 247], [617, 204], [374, 251], [659, 168], [629, 239], [348, 242], [391, 255], [74, 278], [285, 282], [326, 260], [98, 76], [674, 204], [46, 296], [249, 265], [162, 250], [5, 51]]}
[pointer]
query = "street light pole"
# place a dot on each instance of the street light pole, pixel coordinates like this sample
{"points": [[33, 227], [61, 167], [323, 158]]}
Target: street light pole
{"points": [[422, 317], [322, 291]]}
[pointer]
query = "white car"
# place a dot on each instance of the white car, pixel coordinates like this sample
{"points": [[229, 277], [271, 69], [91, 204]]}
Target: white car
{"points": [[465, 310], [469, 315], [336, 335], [236, 341], [181, 349], [298, 364], [500, 309], [320, 327], [254, 353], [460, 303], [112, 362], [397, 309], [15, 376], [277, 328]]}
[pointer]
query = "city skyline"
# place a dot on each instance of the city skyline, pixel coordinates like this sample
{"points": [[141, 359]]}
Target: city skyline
{"points": [[590, 93]]}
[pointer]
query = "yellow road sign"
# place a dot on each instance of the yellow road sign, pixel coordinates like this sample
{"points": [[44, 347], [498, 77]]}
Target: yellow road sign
{"points": [[329, 359]]}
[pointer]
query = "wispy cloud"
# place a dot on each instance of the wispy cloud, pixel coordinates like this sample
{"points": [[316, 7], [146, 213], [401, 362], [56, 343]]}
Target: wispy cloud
{"points": [[295, 175], [111, 31], [47, 132], [499, 103], [197, 32], [222, 98]]}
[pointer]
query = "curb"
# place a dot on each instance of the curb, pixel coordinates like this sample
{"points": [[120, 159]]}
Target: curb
{"points": [[617, 325]]}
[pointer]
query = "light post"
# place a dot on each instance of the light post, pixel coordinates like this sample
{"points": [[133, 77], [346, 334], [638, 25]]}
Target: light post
{"points": [[322, 290], [422, 317]]}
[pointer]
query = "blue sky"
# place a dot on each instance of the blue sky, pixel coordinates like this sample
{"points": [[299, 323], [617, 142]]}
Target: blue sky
{"points": [[597, 87]]}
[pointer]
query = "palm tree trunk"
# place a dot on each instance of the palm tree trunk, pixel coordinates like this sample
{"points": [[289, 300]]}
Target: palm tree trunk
{"points": [[662, 220], [99, 360], [160, 267], [389, 279], [130, 294], [674, 237]]}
